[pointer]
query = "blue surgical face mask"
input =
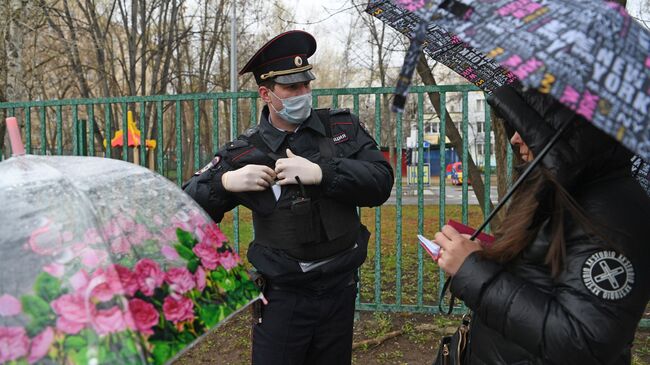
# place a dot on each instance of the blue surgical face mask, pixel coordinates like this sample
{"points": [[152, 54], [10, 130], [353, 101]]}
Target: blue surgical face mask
{"points": [[295, 109]]}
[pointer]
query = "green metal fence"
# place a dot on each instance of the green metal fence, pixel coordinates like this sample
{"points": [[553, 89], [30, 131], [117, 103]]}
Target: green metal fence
{"points": [[69, 127]]}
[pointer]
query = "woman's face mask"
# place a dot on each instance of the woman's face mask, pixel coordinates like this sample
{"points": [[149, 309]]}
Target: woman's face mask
{"points": [[295, 109]]}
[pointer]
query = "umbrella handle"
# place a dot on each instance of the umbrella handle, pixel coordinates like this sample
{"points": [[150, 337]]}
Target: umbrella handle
{"points": [[17, 148]]}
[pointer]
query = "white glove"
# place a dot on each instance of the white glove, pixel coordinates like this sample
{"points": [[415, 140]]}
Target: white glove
{"points": [[248, 178], [286, 170]]}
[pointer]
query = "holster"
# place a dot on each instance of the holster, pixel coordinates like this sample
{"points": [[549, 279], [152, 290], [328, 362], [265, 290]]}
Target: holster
{"points": [[256, 308]]}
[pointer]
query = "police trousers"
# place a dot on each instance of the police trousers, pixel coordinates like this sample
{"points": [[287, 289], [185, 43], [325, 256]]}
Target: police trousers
{"points": [[298, 328]]}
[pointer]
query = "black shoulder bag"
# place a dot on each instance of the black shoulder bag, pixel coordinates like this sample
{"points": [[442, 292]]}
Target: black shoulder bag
{"points": [[452, 349]]}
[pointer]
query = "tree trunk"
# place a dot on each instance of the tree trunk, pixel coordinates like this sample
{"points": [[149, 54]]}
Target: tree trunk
{"points": [[454, 136], [14, 38]]}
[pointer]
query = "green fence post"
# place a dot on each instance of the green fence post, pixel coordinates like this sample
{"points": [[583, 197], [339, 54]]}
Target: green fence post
{"points": [[197, 136], [143, 135], [234, 119], [378, 209], [125, 132], [75, 131], [443, 173], [179, 144], [91, 130], [42, 111], [420, 141], [398, 207], [159, 138], [253, 111], [355, 99], [465, 156], [487, 143], [83, 142], [59, 130], [215, 126], [28, 129], [107, 133]]}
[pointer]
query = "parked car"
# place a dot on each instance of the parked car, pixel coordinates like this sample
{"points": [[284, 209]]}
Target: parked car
{"points": [[455, 173]]}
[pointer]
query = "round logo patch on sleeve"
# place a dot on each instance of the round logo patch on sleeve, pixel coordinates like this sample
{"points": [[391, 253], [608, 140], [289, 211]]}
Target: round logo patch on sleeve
{"points": [[608, 275]]}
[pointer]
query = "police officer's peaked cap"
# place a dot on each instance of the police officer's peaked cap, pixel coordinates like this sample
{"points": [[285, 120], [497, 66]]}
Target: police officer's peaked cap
{"points": [[283, 59]]}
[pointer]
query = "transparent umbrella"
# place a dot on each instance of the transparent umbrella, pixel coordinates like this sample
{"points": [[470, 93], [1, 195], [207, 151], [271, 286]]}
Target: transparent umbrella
{"points": [[106, 262]]}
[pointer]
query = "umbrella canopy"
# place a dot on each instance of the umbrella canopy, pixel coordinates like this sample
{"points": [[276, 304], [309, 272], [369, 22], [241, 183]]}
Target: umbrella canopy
{"points": [[105, 262], [597, 63], [406, 17]]}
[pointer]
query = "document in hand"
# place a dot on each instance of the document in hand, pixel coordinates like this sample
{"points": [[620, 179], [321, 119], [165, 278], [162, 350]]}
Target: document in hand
{"points": [[486, 239], [431, 247]]}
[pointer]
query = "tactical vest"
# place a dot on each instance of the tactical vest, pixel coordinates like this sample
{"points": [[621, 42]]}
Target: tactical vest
{"points": [[308, 229]]}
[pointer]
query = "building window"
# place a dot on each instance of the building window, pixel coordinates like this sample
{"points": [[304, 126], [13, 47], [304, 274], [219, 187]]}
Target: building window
{"points": [[479, 127], [480, 149]]}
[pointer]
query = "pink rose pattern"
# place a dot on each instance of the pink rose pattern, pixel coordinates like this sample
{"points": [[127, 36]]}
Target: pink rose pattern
{"points": [[143, 315], [149, 276], [14, 343], [54, 269], [208, 255], [109, 321], [200, 278], [9, 306], [77, 310], [212, 235], [178, 310], [41, 345], [128, 279], [229, 260], [73, 311], [180, 280]]}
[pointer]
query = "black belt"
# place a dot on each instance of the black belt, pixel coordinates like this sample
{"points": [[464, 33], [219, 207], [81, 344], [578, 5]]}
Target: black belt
{"points": [[314, 291]]}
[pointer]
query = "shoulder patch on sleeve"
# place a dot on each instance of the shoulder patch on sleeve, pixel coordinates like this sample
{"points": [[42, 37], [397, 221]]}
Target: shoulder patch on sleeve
{"points": [[215, 161], [608, 275]]}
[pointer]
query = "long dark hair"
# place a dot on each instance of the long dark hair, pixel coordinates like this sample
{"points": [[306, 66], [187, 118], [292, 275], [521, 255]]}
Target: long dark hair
{"points": [[540, 198]]}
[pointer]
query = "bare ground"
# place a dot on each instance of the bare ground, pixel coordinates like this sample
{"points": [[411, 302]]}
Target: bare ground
{"points": [[414, 342]]}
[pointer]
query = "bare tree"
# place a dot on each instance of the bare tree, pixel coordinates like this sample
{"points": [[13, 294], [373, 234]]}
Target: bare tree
{"points": [[383, 45], [18, 21], [453, 134]]}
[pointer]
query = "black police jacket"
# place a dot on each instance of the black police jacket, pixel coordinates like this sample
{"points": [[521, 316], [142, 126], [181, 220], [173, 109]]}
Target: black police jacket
{"points": [[589, 313], [355, 174]]}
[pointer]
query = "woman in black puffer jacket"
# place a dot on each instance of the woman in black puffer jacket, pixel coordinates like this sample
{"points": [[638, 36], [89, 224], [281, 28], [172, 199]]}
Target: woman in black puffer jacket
{"points": [[568, 278]]}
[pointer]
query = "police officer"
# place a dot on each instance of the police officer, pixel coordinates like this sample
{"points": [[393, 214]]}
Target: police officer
{"points": [[302, 172]]}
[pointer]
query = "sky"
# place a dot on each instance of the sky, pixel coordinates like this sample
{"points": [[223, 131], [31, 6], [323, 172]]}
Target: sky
{"points": [[329, 22]]}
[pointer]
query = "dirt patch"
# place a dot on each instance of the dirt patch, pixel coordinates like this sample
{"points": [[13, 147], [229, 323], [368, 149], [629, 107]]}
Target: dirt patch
{"points": [[230, 344]]}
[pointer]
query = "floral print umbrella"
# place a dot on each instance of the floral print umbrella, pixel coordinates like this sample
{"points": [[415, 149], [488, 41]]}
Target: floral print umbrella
{"points": [[105, 262]]}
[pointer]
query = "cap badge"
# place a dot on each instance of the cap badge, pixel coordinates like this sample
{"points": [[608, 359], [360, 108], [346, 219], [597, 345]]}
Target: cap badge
{"points": [[297, 61]]}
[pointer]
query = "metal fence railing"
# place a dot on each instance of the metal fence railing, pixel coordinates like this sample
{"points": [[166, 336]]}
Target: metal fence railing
{"points": [[188, 129]]}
